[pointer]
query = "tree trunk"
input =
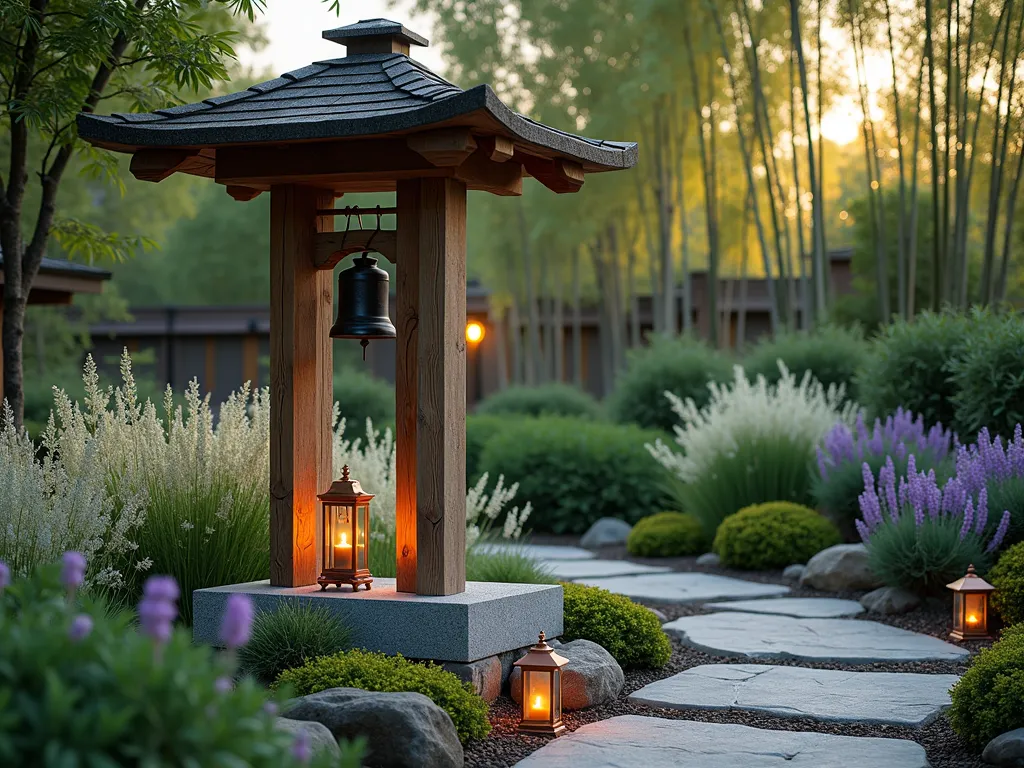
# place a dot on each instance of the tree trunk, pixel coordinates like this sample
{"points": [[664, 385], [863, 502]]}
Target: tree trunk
{"points": [[914, 203], [1011, 209], [577, 321], [616, 316], [710, 202], [741, 323], [806, 322], [663, 196], [817, 203], [534, 359], [632, 301], [929, 52], [901, 244], [684, 226], [605, 322], [558, 336], [752, 185]]}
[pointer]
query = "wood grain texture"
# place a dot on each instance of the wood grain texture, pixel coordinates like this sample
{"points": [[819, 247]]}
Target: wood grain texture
{"points": [[447, 146], [332, 247], [300, 382], [480, 172], [406, 380], [441, 407]]}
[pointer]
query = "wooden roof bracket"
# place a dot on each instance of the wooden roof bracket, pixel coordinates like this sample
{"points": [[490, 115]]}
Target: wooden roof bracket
{"points": [[332, 247]]}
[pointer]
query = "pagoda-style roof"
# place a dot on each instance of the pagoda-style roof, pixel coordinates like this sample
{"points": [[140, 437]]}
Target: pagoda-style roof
{"points": [[375, 91]]}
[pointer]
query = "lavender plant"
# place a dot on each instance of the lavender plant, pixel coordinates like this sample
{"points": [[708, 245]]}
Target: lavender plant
{"points": [[82, 684], [920, 536], [997, 468], [839, 481]]}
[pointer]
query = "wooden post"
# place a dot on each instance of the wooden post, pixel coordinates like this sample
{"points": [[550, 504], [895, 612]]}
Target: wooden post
{"points": [[441, 399], [406, 379], [300, 382], [431, 387]]}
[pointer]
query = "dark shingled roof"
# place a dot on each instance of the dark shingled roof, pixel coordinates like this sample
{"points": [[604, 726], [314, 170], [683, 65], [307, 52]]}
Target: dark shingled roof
{"points": [[62, 267], [375, 28], [360, 95]]}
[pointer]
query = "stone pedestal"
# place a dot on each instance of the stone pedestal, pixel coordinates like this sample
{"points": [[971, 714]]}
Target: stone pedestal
{"points": [[486, 620]]}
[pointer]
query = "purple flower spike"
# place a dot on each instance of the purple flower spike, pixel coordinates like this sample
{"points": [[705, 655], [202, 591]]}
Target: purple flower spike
{"points": [[73, 573], [863, 530], [81, 627], [237, 624], [161, 588], [223, 685], [5, 576], [301, 749], [1004, 526], [968, 519]]}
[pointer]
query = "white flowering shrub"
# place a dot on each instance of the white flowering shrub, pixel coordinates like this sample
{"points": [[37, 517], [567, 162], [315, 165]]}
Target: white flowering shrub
{"points": [[372, 458], [752, 443], [184, 493]]}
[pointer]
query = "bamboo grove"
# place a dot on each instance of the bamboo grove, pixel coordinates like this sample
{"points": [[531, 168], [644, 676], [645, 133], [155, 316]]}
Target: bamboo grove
{"points": [[730, 101]]}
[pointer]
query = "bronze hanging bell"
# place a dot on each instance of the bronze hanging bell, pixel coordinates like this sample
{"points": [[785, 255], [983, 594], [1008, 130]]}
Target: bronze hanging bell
{"points": [[363, 291]]}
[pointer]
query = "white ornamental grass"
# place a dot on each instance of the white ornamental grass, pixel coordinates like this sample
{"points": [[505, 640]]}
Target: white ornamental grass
{"points": [[372, 459], [745, 411]]}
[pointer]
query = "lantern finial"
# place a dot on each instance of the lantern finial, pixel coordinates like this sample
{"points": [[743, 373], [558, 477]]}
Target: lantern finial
{"points": [[345, 477], [970, 570]]}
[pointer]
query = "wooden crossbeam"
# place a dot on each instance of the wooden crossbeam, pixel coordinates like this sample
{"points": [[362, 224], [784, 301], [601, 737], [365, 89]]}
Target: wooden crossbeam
{"points": [[558, 175], [332, 247]]}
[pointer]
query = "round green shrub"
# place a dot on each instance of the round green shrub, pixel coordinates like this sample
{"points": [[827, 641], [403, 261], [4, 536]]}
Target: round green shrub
{"points": [[989, 699], [390, 674], [832, 354], [989, 390], [667, 534], [1007, 576], [759, 470], [575, 471], [909, 366], [628, 631], [479, 429], [680, 366], [361, 396], [289, 637], [773, 535], [545, 400], [109, 696]]}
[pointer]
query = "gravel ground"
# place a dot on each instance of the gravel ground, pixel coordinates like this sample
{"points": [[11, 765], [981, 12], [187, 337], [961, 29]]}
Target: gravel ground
{"points": [[504, 747]]}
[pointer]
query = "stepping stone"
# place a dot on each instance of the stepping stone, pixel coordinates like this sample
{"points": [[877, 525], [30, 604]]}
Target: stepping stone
{"points": [[763, 636], [541, 551], [578, 569], [799, 607], [889, 698], [685, 587], [653, 742]]}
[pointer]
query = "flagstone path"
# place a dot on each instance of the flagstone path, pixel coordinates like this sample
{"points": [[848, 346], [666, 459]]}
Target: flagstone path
{"points": [[755, 620], [851, 641], [798, 607], [684, 587], [651, 742], [889, 698]]}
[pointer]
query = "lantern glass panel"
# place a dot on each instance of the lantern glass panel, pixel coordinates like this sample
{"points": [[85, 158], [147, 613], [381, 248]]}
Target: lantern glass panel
{"points": [[363, 516], [958, 611], [556, 688], [537, 701], [974, 612], [342, 535]]}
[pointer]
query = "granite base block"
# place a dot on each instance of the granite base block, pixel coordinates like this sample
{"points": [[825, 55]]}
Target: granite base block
{"points": [[488, 619]]}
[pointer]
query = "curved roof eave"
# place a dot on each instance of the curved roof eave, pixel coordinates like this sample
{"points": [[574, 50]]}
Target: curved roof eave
{"points": [[130, 136]]}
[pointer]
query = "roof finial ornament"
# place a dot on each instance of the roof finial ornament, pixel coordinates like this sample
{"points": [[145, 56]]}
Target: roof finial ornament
{"points": [[375, 36]]}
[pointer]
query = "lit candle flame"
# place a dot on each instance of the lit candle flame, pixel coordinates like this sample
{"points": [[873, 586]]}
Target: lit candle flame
{"points": [[538, 703], [972, 619], [343, 544]]}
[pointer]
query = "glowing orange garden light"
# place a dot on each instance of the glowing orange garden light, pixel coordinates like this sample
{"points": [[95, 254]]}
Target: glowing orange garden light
{"points": [[542, 690], [346, 545], [970, 607]]}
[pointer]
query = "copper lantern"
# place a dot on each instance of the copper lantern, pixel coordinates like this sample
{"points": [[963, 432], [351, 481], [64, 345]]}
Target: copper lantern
{"points": [[542, 690], [970, 607], [346, 534]]}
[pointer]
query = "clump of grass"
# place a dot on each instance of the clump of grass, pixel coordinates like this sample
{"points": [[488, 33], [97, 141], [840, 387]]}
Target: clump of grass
{"points": [[290, 636]]}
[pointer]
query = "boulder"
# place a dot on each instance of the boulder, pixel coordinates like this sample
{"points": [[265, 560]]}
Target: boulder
{"points": [[842, 568], [1006, 750], [890, 600], [661, 616], [318, 737], [592, 676], [606, 532], [792, 573], [402, 730], [709, 559]]}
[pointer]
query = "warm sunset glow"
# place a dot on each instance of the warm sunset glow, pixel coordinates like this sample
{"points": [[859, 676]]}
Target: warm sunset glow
{"points": [[538, 703], [474, 332]]}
